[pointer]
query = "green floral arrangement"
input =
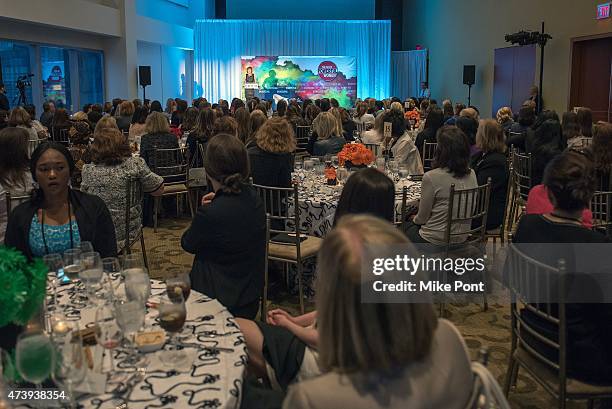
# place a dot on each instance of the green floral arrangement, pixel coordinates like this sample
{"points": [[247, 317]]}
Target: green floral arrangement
{"points": [[23, 286]]}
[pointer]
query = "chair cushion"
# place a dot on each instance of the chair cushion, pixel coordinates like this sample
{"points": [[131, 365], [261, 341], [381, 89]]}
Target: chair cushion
{"points": [[550, 377], [172, 189], [308, 248]]}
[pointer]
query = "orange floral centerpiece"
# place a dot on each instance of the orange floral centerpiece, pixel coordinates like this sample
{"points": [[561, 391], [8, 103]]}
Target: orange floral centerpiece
{"points": [[413, 116], [355, 154]]}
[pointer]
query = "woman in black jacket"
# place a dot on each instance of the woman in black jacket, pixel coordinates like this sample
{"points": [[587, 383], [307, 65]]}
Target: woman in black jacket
{"points": [[435, 120], [271, 158], [58, 218], [490, 162], [228, 233]]}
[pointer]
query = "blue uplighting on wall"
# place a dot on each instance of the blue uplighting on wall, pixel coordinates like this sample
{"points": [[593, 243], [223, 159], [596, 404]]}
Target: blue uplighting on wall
{"points": [[219, 44], [301, 10]]}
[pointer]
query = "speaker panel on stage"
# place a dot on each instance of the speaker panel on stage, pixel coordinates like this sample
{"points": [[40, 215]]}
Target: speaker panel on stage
{"points": [[144, 75], [469, 74]]}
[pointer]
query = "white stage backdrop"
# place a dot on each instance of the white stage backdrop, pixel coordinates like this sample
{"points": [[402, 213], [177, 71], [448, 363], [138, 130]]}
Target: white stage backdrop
{"points": [[219, 44]]}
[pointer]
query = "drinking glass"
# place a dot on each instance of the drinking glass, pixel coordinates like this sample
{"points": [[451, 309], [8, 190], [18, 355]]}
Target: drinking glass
{"points": [[137, 284], [334, 160], [308, 165], [34, 356], [73, 264], [112, 270], [182, 282], [342, 175], [91, 274], [298, 165], [109, 334], [86, 247], [172, 314], [70, 367], [403, 172], [130, 316], [380, 164]]}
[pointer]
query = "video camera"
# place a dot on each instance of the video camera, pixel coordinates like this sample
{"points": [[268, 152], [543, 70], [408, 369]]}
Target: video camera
{"points": [[24, 81]]}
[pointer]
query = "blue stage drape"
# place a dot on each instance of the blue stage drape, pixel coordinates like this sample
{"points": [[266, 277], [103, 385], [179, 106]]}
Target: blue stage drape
{"points": [[408, 69], [219, 44]]}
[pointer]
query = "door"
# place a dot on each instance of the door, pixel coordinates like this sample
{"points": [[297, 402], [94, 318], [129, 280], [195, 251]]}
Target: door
{"points": [[513, 76]]}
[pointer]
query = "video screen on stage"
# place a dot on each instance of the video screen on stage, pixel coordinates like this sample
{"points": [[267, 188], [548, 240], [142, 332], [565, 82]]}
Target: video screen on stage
{"points": [[300, 77]]}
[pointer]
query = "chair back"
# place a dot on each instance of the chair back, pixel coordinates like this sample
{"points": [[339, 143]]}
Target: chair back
{"points": [[465, 206], [171, 163], [302, 134], [360, 126], [521, 168], [282, 206], [264, 301], [62, 137], [585, 142], [134, 195], [602, 213], [429, 151], [33, 144], [400, 216], [375, 148], [528, 280], [14, 201]]}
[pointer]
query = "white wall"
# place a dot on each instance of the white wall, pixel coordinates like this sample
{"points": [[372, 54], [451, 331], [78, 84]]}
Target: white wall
{"points": [[173, 13], [167, 66]]}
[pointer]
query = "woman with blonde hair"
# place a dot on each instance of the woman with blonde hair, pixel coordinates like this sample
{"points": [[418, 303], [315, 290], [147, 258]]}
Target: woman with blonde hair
{"points": [[364, 364], [20, 118], [158, 136], [505, 118], [325, 139], [108, 176], [271, 158], [124, 120], [105, 122], [336, 113], [490, 162]]}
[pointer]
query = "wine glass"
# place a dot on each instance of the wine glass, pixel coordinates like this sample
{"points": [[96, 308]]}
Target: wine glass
{"points": [[298, 165], [308, 164], [86, 247], [380, 164], [112, 269], [34, 356], [109, 334], [130, 316], [172, 315], [73, 264], [334, 160], [133, 260], [92, 271], [342, 175], [137, 284], [70, 367]]}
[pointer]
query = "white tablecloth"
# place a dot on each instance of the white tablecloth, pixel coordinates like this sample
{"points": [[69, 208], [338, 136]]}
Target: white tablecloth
{"points": [[215, 377]]}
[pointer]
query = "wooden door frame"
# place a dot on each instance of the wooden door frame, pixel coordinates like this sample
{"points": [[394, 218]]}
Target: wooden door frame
{"points": [[573, 41]]}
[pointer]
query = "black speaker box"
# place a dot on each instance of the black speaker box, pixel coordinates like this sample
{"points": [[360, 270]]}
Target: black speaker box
{"points": [[469, 74], [144, 75]]}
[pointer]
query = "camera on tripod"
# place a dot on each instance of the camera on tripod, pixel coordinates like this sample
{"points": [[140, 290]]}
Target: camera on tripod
{"points": [[24, 81]]}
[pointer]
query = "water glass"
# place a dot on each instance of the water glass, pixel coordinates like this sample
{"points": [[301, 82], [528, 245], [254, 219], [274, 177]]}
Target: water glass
{"points": [[109, 334], [133, 260], [86, 247], [308, 165], [172, 315], [73, 264], [334, 160], [380, 164], [130, 316], [137, 284], [403, 172], [55, 264], [34, 356], [341, 175], [298, 165], [71, 367], [92, 272]]}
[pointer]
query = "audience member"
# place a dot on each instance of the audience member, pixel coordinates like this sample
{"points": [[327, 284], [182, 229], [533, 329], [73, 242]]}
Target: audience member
{"points": [[310, 113], [156, 106], [41, 131], [271, 159], [243, 118], [228, 233], [469, 126], [584, 117], [325, 139], [124, 120], [368, 366], [504, 118], [570, 182], [571, 131], [403, 148], [451, 159], [447, 109], [46, 118], [225, 125], [490, 162], [108, 176], [15, 176], [545, 145], [601, 152], [95, 114], [435, 121], [170, 108], [58, 218], [202, 132], [20, 118], [177, 116], [158, 136], [362, 117], [61, 124], [258, 118], [189, 121], [138, 127], [518, 130]]}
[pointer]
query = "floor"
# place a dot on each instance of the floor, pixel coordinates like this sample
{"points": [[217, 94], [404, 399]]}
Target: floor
{"points": [[481, 329]]}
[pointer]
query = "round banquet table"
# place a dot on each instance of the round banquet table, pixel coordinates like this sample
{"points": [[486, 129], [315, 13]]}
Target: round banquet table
{"points": [[318, 203], [214, 379]]}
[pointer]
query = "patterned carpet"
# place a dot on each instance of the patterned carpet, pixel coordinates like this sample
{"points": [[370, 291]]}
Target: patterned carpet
{"points": [[490, 329]]}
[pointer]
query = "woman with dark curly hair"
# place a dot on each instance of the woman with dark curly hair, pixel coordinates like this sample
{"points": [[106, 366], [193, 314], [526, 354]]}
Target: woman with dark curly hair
{"points": [[228, 233]]}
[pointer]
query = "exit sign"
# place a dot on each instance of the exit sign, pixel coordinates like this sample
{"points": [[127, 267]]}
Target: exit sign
{"points": [[603, 11]]}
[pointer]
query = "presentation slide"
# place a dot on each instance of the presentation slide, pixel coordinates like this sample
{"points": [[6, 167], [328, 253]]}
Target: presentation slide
{"points": [[301, 77]]}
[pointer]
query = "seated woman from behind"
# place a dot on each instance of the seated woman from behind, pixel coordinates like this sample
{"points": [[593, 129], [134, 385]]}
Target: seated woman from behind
{"points": [[285, 349], [326, 138], [58, 218], [421, 362], [108, 176], [228, 233], [271, 158], [570, 182], [452, 159], [403, 148]]}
